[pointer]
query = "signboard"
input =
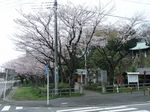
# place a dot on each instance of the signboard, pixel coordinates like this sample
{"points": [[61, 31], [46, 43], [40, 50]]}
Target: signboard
{"points": [[103, 76], [81, 71], [10, 71], [133, 78]]}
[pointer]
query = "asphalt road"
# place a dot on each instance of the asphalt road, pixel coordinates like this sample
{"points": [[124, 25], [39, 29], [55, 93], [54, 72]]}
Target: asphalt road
{"points": [[94, 99], [101, 100], [91, 102], [143, 107]]}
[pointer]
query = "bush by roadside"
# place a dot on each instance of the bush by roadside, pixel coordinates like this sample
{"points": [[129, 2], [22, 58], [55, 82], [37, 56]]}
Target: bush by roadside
{"points": [[109, 89], [27, 93], [94, 87], [39, 93]]}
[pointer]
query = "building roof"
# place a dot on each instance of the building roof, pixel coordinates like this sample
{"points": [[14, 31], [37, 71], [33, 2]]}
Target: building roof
{"points": [[140, 46], [133, 73], [142, 70]]}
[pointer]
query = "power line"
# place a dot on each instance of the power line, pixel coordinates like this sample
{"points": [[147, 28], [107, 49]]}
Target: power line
{"points": [[11, 4], [126, 18], [137, 2], [48, 5], [110, 15], [15, 3]]}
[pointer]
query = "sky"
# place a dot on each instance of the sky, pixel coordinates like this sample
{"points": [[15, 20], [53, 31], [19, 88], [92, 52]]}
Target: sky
{"points": [[124, 8]]}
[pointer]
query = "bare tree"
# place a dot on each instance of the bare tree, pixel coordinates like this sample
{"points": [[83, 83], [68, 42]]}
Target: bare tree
{"points": [[28, 69], [75, 24], [144, 32]]}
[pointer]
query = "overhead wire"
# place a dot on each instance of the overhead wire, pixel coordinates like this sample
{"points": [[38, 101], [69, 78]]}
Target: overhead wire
{"points": [[115, 16], [48, 4], [137, 2]]}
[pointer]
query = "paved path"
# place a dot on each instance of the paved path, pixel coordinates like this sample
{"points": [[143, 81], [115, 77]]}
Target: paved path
{"points": [[101, 99], [89, 99], [91, 93]]}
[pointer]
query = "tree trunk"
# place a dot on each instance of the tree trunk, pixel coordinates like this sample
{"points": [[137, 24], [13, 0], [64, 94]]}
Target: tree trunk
{"points": [[111, 74]]}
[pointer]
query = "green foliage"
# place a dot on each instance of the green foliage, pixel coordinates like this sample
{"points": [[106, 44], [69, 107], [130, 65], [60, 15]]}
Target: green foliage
{"points": [[126, 89], [93, 59], [28, 93], [60, 85], [94, 87], [63, 85], [111, 56], [146, 61], [29, 80], [31, 93], [132, 68], [131, 43]]}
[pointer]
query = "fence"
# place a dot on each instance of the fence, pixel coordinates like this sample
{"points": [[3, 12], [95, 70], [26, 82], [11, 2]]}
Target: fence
{"points": [[63, 92], [6, 86], [145, 87]]}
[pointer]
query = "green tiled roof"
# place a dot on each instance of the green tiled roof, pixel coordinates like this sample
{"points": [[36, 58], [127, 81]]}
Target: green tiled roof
{"points": [[140, 46]]}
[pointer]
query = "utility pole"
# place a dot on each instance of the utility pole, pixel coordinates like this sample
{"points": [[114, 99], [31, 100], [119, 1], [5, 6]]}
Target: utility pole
{"points": [[47, 73], [55, 47], [5, 86], [85, 60]]}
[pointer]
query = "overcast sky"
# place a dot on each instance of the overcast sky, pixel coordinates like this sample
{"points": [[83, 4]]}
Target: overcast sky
{"points": [[125, 8]]}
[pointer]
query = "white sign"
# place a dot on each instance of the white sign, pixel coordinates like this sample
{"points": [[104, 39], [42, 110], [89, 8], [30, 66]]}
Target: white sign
{"points": [[133, 78], [81, 71], [103, 76]]}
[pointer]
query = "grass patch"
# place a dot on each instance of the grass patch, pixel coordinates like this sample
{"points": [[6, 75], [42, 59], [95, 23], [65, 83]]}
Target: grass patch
{"points": [[94, 87], [31, 93], [28, 93]]}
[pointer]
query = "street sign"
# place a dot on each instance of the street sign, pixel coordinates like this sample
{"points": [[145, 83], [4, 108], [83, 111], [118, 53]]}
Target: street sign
{"points": [[103, 76], [81, 71], [46, 69]]}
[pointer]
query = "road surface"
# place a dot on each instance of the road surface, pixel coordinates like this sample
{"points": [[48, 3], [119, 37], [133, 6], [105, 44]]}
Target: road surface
{"points": [[121, 108], [145, 107]]}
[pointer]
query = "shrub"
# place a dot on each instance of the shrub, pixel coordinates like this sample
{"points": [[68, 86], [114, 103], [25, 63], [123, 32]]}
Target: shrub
{"points": [[94, 87], [63, 85]]}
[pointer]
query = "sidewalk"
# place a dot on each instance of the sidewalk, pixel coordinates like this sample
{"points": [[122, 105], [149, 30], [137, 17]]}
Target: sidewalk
{"points": [[89, 99]]}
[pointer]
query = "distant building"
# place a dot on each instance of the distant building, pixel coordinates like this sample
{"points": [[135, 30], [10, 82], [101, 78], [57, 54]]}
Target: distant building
{"points": [[140, 47]]}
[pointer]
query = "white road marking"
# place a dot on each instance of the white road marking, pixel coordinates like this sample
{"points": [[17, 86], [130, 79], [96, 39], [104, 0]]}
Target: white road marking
{"points": [[19, 108], [89, 109], [109, 108], [76, 109], [120, 110], [64, 103], [138, 104], [6, 108], [140, 111]]}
